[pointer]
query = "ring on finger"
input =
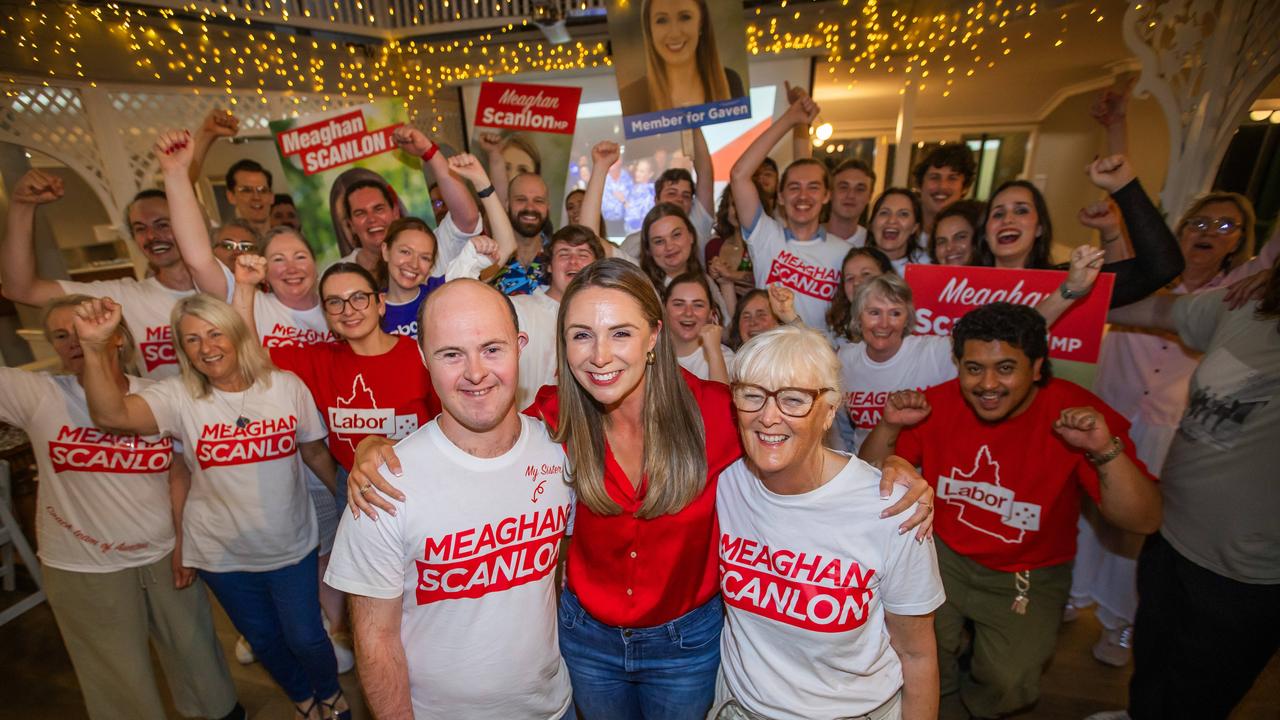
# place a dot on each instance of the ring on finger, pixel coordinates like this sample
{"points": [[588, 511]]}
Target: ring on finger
{"points": [[367, 487]]}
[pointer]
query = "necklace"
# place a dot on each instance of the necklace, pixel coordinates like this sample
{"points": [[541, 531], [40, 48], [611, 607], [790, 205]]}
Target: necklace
{"points": [[242, 421]]}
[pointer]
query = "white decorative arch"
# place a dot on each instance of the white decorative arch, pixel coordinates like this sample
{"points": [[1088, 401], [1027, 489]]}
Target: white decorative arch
{"points": [[1205, 62]]}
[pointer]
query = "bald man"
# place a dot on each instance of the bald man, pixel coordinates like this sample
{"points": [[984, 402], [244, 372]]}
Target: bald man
{"points": [[527, 207], [453, 597]]}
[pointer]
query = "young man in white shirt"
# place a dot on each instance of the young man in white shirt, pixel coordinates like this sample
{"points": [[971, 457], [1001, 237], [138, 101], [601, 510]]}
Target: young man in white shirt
{"points": [[146, 302], [854, 181], [453, 596]]}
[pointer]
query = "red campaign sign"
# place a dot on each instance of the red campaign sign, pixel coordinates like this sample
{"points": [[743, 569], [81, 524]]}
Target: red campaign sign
{"points": [[334, 142], [536, 108], [944, 294]]}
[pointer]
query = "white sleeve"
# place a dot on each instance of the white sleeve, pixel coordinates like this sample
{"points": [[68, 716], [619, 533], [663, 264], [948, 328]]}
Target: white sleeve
{"points": [[231, 284], [765, 241], [467, 264], [21, 393], [703, 223], [310, 425], [910, 584], [166, 399], [368, 557], [450, 241], [941, 365]]}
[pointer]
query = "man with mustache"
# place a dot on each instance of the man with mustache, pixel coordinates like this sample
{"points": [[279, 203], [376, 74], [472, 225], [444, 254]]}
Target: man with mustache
{"points": [[529, 268], [1009, 449], [146, 302]]}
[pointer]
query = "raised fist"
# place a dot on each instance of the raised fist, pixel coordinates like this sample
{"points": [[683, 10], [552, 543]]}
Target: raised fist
{"points": [[173, 149], [37, 188], [905, 408]]}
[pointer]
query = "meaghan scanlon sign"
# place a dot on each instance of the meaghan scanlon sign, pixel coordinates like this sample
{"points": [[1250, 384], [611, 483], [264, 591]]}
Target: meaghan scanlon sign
{"points": [[944, 294]]}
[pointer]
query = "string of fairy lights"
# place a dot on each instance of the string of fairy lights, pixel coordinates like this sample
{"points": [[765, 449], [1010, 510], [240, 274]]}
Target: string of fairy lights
{"points": [[233, 52]]}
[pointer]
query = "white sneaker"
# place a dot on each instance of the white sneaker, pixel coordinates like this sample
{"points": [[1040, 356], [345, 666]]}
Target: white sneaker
{"points": [[342, 651], [244, 653], [1115, 647], [1110, 715], [1072, 611]]}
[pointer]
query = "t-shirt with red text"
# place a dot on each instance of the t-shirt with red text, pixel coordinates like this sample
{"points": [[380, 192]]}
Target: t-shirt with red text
{"points": [[471, 553], [1008, 493], [279, 325], [103, 499], [807, 580], [146, 305], [248, 508], [809, 267], [922, 362], [361, 395]]}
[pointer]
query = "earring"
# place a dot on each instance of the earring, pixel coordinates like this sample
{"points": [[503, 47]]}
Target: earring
{"points": [[650, 358]]}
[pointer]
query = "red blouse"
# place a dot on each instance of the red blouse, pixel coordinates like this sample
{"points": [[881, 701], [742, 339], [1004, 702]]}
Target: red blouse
{"points": [[632, 572]]}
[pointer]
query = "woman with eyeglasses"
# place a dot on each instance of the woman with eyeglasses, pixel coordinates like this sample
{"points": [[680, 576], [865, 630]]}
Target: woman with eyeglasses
{"points": [[1145, 375], [798, 520], [640, 619], [247, 430]]}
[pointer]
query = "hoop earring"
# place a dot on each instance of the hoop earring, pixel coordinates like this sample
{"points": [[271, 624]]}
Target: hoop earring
{"points": [[650, 358]]}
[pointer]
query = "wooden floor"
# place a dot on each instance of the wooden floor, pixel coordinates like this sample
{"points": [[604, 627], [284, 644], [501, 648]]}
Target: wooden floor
{"points": [[37, 682]]}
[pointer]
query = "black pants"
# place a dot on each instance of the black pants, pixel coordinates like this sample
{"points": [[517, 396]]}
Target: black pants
{"points": [[1200, 639]]}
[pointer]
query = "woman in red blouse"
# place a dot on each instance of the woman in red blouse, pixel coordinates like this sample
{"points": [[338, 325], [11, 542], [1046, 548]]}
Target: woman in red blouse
{"points": [[640, 619]]}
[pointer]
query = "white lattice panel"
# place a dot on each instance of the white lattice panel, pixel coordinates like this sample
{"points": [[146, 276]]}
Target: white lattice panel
{"points": [[52, 120]]}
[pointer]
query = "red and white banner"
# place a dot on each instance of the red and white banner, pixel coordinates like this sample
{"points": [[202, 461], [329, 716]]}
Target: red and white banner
{"points": [[534, 108], [334, 142], [944, 294]]}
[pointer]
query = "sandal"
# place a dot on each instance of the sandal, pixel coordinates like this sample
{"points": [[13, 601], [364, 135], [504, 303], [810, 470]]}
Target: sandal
{"points": [[306, 714], [331, 708]]}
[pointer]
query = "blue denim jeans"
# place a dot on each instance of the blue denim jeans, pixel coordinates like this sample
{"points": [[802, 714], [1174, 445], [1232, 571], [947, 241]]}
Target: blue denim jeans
{"points": [[278, 612], [665, 672]]}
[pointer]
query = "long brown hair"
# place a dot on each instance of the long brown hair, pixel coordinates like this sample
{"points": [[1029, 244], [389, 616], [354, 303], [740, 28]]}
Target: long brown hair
{"points": [[715, 85], [675, 460], [657, 275]]}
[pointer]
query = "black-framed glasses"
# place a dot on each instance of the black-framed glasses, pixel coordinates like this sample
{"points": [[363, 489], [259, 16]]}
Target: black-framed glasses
{"points": [[792, 401], [233, 246], [1221, 226], [335, 305]]}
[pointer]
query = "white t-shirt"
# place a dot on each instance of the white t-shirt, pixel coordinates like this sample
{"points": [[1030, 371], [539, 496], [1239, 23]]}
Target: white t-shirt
{"points": [[696, 362], [248, 508], [806, 581], [922, 362], [103, 498], [900, 265], [146, 305], [809, 267], [537, 314], [703, 223], [857, 239], [279, 325], [472, 554], [450, 241]]}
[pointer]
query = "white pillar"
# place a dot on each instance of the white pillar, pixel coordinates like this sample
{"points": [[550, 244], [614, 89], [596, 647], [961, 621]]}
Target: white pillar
{"points": [[904, 134], [120, 180]]}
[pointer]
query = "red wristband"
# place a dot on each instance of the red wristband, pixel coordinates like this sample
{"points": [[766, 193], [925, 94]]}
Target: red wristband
{"points": [[426, 156]]}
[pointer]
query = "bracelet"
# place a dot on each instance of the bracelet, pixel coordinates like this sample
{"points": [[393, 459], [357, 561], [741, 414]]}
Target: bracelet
{"points": [[426, 156], [482, 194], [1117, 447], [1069, 294]]}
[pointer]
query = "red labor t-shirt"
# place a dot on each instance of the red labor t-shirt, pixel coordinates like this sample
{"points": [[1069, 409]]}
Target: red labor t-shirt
{"points": [[633, 572], [1008, 493], [360, 395]]}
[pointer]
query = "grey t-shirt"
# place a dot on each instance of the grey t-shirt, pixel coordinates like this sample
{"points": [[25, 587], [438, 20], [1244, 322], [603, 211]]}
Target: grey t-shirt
{"points": [[1221, 481]]}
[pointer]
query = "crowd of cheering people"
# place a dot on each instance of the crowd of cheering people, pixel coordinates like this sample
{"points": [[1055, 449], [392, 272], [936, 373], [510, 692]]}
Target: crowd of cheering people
{"points": [[512, 471]]}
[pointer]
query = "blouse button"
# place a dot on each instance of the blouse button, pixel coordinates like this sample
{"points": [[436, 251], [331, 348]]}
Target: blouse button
{"points": [[628, 591], [633, 553]]}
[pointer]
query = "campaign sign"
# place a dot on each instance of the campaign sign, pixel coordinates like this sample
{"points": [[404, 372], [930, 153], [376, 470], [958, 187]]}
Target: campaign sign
{"points": [[685, 68], [324, 153], [944, 294], [535, 108]]}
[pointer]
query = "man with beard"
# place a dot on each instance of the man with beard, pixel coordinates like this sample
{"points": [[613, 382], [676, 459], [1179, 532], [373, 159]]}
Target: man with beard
{"points": [[1008, 449], [527, 270], [453, 593], [146, 302], [370, 207]]}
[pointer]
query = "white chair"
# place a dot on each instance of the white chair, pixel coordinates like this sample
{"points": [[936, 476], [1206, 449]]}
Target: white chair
{"points": [[11, 538]]}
